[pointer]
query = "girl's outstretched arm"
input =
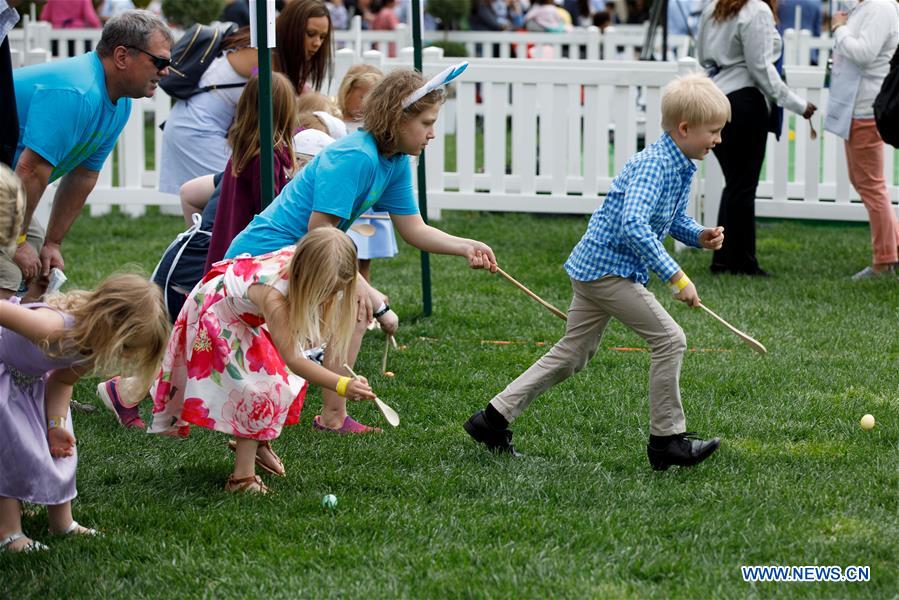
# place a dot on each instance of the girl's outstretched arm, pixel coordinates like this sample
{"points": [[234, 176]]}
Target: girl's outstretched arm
{"points": [[57, 397], [274, 309], [36, 325], [430, 239]]}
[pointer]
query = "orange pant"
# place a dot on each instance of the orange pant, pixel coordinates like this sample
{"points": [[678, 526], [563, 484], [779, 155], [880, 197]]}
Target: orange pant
{"points": [[864, 157]]}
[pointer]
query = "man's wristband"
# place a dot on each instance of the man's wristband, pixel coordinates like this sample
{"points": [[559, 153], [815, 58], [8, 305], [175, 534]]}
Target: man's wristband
{"points": [[21, 239], [680, 284], [341, 386], [54, 422], [381, 311]]}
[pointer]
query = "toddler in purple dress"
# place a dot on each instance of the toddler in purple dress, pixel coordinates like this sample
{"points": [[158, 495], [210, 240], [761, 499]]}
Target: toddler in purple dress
{"points": [[44, 349]]}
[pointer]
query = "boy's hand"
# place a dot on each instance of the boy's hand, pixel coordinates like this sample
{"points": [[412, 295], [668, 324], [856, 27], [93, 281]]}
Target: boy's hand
{"points": [[62, 443], [688, 296], [712, 238]]}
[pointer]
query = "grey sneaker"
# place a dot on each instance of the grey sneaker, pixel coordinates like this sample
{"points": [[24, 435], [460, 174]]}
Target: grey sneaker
{"points": [[870, 273]]}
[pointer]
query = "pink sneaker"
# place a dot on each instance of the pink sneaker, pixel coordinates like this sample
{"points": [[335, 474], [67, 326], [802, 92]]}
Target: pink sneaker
{"points": [[350, 426], [109, 394]]}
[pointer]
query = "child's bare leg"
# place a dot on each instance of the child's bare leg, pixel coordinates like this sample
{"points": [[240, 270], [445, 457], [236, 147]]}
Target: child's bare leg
{"points": [[245, 459], [194, 196], [131, 391], [11, 522], [334, 406], [59, 517], [365, 268]]}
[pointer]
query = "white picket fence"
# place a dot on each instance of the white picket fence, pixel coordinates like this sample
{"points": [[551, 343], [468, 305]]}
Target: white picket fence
{"points": [[553, 134]]}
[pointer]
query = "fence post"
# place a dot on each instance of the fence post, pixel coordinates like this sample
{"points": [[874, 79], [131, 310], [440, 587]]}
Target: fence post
{"points": [[593, 43]]}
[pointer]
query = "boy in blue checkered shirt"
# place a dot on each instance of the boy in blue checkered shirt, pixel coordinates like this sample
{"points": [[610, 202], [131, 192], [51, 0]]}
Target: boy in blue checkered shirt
{"points": [[609, 269]]}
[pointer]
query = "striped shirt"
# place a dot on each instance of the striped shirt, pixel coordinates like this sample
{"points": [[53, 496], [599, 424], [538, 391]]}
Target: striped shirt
{"points": [[646, 201]]}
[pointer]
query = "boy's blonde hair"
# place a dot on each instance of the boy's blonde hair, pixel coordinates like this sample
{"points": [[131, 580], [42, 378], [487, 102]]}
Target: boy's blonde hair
{"points": [[383, 110], [243, 135], [313, 101], [121, 326], [693, 99], [12, 206], [321, 291], [356, 76]]}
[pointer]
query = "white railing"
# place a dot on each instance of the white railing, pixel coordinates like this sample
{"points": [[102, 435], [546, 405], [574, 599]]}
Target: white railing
{"points": [[552, 134], [800, 46]]}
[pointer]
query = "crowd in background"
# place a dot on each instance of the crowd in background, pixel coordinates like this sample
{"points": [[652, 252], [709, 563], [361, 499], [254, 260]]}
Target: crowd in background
{"points": [[485, 15]]}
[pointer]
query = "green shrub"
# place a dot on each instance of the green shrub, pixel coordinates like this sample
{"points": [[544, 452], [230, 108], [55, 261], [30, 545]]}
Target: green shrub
{"points": [[187, 12], [450, 12]]}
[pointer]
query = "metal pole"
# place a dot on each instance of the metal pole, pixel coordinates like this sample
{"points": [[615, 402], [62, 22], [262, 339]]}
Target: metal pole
{"points": [[266, 158], [422, 183]]}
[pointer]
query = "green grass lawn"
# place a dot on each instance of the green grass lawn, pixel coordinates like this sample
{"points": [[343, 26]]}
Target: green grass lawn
{"points": [[424, 513]]}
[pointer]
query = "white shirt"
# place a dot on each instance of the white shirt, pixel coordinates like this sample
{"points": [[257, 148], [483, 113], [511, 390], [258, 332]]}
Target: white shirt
{"points": [[745, 48], [869, 39]]}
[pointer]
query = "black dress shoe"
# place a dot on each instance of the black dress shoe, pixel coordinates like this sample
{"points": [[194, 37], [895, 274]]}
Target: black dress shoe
{"points": [[683, 449], [496, 440]]}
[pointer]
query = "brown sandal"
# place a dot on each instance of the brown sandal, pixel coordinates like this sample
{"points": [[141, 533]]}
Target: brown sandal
{"points": [[267, 467], [251, 485]]}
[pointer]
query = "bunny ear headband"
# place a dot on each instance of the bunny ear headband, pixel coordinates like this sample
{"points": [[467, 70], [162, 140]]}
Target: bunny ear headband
{"points": [[441, 79]]}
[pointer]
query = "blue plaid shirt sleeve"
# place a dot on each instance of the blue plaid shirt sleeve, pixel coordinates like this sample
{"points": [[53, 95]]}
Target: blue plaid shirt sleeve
{"points": [[644, 190], [685, 229]]}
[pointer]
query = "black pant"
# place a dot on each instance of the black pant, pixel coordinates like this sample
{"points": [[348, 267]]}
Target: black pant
{"points": [[741, 153], [9, 119]]}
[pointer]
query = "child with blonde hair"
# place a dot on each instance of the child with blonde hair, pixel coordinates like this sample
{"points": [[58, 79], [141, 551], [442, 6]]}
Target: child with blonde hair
{"points": [[235, 360], [358, 82], [367, 169], [609, 269], [12, 206], [119, 327]]}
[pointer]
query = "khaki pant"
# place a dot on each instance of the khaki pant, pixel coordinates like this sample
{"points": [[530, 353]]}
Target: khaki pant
{"points": [[594, 303], [10, 274]]}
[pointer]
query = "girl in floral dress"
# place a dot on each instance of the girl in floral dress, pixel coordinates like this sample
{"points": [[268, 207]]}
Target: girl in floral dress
{"points": [[235, 360]]}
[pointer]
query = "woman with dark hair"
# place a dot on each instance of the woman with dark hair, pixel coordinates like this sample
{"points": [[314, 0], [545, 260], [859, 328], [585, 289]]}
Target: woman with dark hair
{"points": [[738, 45], [193, 143], [304, 51]]}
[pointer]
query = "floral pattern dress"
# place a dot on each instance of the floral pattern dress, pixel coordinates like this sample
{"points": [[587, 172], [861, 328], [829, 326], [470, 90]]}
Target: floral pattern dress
{"points": [[221, 370]]}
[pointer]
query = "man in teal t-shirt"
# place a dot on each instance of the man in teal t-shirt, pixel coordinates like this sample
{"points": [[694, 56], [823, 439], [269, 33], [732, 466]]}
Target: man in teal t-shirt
{"points": [[71, 113]]}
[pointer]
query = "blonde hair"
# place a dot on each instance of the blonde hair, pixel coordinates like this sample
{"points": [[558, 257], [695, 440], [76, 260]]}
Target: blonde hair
{"points": [[308, 120], [695, 99], [121, 326], [321, 295], [313, 101], [383, 111], [243, 135], [12, 206], [357, 76]]}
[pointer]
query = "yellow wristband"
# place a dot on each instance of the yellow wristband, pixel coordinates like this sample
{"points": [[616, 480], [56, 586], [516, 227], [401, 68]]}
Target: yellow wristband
{"points": [[54, 422], [21, 239], [680, 284], [341, 385]]}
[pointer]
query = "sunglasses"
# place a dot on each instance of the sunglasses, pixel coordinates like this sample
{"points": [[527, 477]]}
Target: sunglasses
{"points": [[158, 62]]}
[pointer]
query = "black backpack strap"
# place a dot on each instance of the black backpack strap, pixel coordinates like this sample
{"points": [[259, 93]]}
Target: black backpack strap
{"points": [[221, 86]]}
